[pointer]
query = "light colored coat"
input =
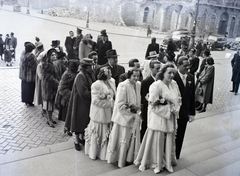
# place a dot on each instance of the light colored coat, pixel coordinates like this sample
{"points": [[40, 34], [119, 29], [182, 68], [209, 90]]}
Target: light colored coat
{"points": [[162, 117], [126, 94], [101, 109]]}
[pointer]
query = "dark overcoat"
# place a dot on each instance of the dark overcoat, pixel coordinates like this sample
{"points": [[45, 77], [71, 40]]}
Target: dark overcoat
{"points": [[235, 62], [152, 47], [79, 104], [69, 43], [101, 49], [207, 82], [1, 46]]}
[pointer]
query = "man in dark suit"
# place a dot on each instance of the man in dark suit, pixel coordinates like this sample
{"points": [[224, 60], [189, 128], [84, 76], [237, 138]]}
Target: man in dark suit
{"points": [[133, 63], [13, 42], [153, 46], [155, 66], [94, 56], [116, 69], [69, 43], [186, 86]]}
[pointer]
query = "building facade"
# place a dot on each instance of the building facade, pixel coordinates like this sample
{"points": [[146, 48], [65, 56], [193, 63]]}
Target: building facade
{"points": [[214, 16]]}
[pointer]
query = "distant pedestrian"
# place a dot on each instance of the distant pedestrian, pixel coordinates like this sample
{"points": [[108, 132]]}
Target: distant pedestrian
{"points": [[69, 44], [14, 44], [27, 73], [49, 85], [149, 31], [103, 45], [8, 56], [204, 85], [77, 42], [194, 62], [56, 45], [85, 46], [1, 47], [171, 46], [235, 62], [1, 3], [39, 46], [199, 48], [153, 46]]}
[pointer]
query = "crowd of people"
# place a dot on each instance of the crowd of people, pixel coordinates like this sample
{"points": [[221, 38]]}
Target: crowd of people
{"points": [[8, 48], [136, 116]]}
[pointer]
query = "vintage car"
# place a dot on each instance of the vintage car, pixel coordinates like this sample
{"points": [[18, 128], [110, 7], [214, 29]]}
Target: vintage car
{"points": [[217, 42], [178, 36], [234, 44]]}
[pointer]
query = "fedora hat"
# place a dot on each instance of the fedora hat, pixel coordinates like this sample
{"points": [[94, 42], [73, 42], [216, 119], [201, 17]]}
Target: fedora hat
{"points": [[87, 61], [73, 64], [111, 53], [55, 43], [103, 32], [152, 54]]}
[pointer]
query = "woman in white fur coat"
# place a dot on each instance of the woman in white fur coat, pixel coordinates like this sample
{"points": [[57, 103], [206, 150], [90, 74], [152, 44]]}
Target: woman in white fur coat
{"points": [[96, 134], [158, 146], [124, 140]]}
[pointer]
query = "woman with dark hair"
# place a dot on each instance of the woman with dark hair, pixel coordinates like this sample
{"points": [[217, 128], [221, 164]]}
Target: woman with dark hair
{"points": [[204, 85], [65, 89], [49, 85], [158, 146], [27, 73], [97, 133], [124, 140]]}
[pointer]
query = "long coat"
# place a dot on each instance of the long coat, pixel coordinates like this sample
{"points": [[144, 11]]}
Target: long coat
{"points": [[101, 49], [207, 80], [28, 66], [49, 81], [1, 46], [194, 64], [79, 104], [69, 43], [235, 62]]}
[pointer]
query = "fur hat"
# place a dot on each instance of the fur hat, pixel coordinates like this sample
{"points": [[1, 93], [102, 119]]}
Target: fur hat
{"points": [[29, 46]]}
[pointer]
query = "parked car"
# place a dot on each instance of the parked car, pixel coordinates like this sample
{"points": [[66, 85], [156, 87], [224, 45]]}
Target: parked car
{"points": [[217, 42], [178, 36], [234, 44]]}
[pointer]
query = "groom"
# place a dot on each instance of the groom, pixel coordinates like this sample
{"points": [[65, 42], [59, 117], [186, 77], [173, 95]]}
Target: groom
{"points": [[186, 86]]}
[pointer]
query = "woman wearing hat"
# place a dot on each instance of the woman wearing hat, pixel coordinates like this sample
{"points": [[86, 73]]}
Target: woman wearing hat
{"points": [[27, 73], [204, 85], [79, 104], [97, 133], [65, 89], [49, 85]]}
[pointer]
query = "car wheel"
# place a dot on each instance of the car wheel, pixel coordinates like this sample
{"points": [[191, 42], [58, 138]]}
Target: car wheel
{"points": [[223, 48]]}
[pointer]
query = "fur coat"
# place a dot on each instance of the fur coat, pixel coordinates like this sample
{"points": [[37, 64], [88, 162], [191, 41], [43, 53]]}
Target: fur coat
{"points": [[49, 81], [28, 66]]}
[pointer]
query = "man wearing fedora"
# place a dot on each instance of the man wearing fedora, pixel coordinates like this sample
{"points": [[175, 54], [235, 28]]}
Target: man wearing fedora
{"points": [[13, 42], [56, 45], [145, 65], [77, 117], [69, 43], [94, 56], [116, 69], [103, 45], [153, 46]]}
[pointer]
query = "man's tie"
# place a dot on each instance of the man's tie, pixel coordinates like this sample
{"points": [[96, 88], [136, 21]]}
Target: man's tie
{"points": [[184, 79]]}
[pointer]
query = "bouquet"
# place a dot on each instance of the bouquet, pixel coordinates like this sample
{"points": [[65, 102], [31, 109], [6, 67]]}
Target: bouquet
{"points": [[132, 108], [160, 101], [105, 97]]}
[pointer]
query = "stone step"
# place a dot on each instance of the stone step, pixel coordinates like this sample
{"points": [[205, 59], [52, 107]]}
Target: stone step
{"points": [[232, 169], [226, 147], [128, 170], [216, 163], [204, 145]]}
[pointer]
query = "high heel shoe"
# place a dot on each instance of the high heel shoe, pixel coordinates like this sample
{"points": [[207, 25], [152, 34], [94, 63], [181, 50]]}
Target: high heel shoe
{"points": [[67, 132], [50, 124]]}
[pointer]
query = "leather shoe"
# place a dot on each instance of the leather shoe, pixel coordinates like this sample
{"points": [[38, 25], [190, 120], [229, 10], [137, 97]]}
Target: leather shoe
{"points": [[231, 90], [235, 93], [203, 110], [54, 122], [77, 146], [199, 108], [50, 124]]}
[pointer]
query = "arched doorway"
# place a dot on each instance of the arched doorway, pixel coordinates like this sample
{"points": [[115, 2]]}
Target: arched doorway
{"points": [[188, 21], [232, 26], [222, 28], [202, 23], [212, 24], [174, 20], [145, 15]]}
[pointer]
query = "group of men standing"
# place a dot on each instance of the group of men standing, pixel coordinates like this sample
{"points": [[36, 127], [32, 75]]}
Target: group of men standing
{"points": [[7, 48]]}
